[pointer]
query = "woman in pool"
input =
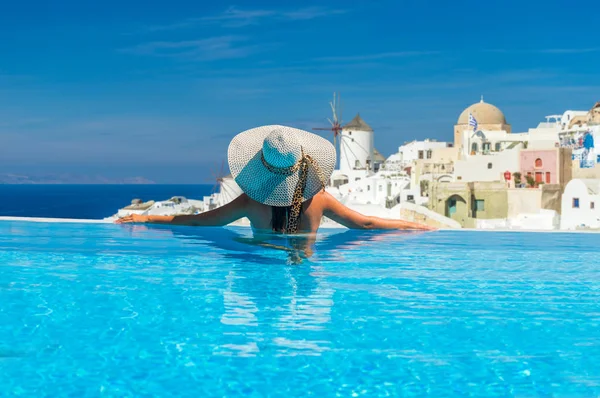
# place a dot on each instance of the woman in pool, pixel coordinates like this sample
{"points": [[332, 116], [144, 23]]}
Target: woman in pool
{"points": [[283, 173]]}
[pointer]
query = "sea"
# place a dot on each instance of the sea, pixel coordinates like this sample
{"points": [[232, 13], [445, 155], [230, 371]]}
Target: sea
{"points": [[85, 201]]}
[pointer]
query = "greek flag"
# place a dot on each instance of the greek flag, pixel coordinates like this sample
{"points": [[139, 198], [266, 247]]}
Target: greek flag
{"points": [[472, 122]]}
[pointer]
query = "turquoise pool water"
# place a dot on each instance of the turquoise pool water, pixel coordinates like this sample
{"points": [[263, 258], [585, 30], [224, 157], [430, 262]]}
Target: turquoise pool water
{"points": [[107, 310]]}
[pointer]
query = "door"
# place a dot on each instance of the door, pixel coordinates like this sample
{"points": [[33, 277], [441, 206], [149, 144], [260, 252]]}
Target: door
{"points": [[547, 177], [451, 207], [539, 177]]}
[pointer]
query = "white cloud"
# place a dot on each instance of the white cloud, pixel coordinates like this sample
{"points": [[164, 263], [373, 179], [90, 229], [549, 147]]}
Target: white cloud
{"points": [[234, 17], [208, 49], [544, 51], [383, 55], [569, 50]]}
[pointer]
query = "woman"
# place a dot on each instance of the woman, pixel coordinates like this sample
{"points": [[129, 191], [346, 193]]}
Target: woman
{"points": [[282, 172]]}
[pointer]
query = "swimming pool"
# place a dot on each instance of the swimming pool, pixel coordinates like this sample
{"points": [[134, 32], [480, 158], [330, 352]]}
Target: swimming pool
{"points": [[107, 310]]}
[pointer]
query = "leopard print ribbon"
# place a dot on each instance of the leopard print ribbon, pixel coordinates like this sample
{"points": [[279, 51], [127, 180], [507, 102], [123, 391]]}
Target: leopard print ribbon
{"points": [[296, 207]]}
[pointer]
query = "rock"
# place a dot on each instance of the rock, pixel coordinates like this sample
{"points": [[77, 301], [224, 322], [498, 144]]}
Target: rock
{"points": [[136, 202], [139, 205], [178, 199]]}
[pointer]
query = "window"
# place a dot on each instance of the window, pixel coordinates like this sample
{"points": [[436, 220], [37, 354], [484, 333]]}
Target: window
{"points": [[480, 205], [592, 205], [486, 146], [429, 154], [420, 154], [410, 197], [356, 164], [368, 187], [538, 163], [576, 203], [489, 165], [349, 132], [498, 147]]}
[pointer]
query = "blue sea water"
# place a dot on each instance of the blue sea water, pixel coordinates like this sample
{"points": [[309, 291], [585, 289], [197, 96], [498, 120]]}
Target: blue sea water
{"points": [[85, 201], [130, 310]]}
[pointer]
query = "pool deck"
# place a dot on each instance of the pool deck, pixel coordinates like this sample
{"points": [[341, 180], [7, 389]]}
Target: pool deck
{"points": [[111, 220]]}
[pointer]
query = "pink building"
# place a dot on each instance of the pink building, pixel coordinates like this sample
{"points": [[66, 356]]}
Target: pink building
{"points": [[548, 166]]}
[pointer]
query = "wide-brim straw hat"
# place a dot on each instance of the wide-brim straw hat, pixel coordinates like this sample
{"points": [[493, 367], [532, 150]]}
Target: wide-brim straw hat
{"points": [[265, 162]]}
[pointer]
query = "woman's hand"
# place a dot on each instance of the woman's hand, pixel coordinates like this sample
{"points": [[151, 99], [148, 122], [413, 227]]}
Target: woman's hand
{"points": [[133, 218]]}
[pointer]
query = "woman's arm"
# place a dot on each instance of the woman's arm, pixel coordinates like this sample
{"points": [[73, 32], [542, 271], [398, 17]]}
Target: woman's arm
{"points": [[355, 220], [220, 216]]}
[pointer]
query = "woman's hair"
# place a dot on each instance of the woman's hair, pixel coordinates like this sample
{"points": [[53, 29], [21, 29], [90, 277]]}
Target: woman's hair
{"points": [[280, 217]]}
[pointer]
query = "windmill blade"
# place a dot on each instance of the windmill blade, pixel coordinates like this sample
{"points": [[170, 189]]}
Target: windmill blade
{"points": [[329, 120], [333, 111], [340, 108]]}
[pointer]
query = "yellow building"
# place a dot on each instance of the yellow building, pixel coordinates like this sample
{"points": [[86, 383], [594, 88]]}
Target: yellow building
{"points": [[488, 117], [465, 202], [468, 202]]}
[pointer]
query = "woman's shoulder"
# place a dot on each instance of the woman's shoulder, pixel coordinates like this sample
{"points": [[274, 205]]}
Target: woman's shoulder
{"points": [[323, 200]]}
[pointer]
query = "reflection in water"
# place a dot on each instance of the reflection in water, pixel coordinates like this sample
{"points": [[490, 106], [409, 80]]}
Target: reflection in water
{"points": [[275, 287]]}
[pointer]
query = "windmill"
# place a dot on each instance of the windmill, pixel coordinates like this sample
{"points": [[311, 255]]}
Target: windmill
{"points": [[217, 177], [225, 188], [336, 126]]}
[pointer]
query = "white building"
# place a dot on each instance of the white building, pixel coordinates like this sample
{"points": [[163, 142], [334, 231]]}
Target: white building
{"points": [[490, 167], [413, 151], [581, 204], [228, 191], [490, 142], [357, 151], [384, 188], [363, 178], [570, 118], [359, 158]]}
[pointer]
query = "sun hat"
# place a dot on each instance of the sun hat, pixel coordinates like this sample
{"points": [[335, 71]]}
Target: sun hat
{"points": [[275, 164]]}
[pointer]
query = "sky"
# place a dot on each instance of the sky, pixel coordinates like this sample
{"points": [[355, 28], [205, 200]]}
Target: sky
{"points": [[158, 89]]}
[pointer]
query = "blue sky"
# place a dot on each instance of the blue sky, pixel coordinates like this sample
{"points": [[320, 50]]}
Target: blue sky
{"points": [[157, 89]]}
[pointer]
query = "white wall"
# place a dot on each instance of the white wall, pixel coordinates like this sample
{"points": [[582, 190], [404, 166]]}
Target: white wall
{"points": [[355, 145], [522, 200], [543, 138], [501, 137], [569, 115], [475, 168], [584, 216], [373, 190], [410, 152]]}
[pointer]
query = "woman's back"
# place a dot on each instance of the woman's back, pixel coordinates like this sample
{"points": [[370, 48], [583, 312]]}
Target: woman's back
{"points": [[260, 215]]}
